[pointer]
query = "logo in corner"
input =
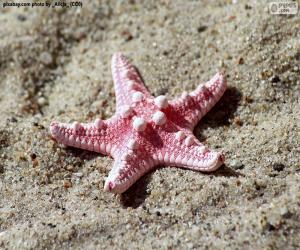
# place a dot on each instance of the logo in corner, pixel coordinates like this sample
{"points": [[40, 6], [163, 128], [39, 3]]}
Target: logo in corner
{"points": [[283, 8]]}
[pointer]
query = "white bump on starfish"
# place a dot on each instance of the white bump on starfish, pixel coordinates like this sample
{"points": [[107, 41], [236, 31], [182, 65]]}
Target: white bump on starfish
{"points": [[76, 126], [139, 124], [137, 96], [130, 85], [166, 157], [72, 140], [125, 157], [98, 123], [179, 135], [88, 130], [126, 111], [178, 159], [77, 142], [90, 144], [184, 160], [64, 137], [92, 130], [132, 144], [86, 146], [161, 102], [159, 118], [96, 145], [184, 95], [189, 140], [108, 147], [83, 144], [160, 156], [124, 73], [190, 161], [172, 158], [195, 163], [102, 147], [202, 149]]}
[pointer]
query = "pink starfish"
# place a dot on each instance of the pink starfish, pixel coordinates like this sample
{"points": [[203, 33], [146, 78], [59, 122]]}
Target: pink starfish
{"points": [[146, 131]]}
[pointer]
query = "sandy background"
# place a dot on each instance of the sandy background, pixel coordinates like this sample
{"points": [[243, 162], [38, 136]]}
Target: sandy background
{"points": [[55, 64]]}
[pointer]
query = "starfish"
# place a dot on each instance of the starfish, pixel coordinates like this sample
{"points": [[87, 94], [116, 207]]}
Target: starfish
{"points": [[145, 131]]}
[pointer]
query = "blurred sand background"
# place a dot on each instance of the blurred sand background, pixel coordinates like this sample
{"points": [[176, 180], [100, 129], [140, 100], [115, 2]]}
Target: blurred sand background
{"points": [[55, 64]]}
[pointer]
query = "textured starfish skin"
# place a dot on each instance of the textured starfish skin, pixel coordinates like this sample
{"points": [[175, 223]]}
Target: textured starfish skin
{"points": [[146, 131]]}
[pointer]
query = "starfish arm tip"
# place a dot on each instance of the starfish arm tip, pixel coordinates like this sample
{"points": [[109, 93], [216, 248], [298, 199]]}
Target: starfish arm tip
{"points": [[217, 82], [117, 55], [55, 130], [126, 170], [217, 160], [109, 186], [53, 127]]}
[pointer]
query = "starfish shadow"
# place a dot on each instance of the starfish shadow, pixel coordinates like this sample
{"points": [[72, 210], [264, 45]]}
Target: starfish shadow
{"points": [[135, 196], [221, 113], [222, 171], [225, 171], [137, 193], [81, 153]]}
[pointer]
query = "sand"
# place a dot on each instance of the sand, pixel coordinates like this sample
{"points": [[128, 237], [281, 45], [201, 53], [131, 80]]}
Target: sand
{"points": [[55, 64]]}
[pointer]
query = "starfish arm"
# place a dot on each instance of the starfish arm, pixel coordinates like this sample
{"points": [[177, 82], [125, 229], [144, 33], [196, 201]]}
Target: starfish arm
{"points": [[127, 80], [97, 136], [128, 167], [189, 153], [195, 105]]}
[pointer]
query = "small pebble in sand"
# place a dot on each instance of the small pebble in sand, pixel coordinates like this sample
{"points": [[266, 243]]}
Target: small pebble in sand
{"points": [[80, 33], [278, 167], [285, 213], [126, 34], [33, 156], [41, 101], [46, 58], [21, 18], [241, 60], [238, 121], [70, 168], [201, 28], [248, 99], [275, 79], [78, 174], [1, 169], [67, 184], [236, 164]]}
